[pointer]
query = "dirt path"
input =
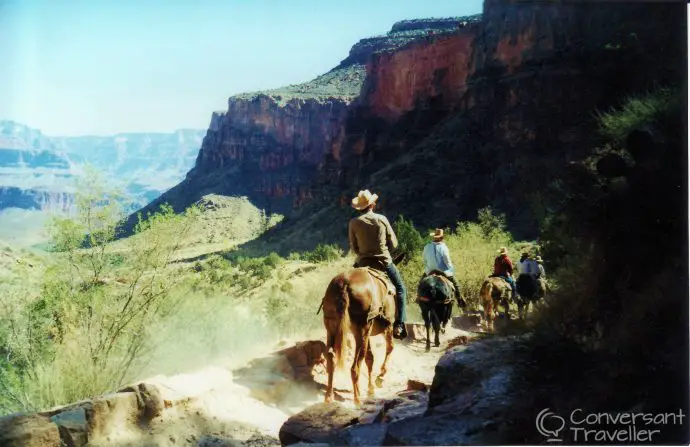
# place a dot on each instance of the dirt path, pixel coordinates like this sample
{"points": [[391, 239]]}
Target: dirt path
{"points": [[214, 406]]}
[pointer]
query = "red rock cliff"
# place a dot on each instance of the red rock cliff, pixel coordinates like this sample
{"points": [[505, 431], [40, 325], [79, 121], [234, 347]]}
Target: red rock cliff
{"points": [[475, 111]]}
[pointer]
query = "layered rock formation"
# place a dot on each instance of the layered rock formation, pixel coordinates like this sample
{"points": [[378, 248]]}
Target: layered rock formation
{"points": [[272, 146], [37, 172], [472, 111]]}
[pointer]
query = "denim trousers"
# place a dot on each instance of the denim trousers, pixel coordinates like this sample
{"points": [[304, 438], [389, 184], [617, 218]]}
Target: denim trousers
{"points": [[400, 292]]}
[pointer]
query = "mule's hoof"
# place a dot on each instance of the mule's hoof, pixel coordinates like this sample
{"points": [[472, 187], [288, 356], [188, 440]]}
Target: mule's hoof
{"points": [[328, 399], [379, 382], [443, 330], [428, 348], [437, 344], [371, 394]]}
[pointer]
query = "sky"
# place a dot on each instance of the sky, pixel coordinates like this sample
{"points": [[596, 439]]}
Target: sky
{"points": [[100, 67]]}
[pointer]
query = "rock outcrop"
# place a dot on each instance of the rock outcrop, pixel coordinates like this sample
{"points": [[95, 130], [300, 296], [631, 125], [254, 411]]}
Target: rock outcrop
{"points": [[272, 146], [475, 111], [37, 172]]}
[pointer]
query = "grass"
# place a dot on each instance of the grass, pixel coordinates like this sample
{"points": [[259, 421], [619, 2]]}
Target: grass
{"points": [[637, 111]]}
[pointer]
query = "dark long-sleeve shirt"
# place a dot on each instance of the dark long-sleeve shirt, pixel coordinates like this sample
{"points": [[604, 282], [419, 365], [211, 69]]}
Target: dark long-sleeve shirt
{"points": [[372, 238], [503, 266]]}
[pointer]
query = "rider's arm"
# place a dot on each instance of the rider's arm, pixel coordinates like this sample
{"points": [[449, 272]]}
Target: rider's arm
{"points": [[353, 238], [391, 240], [445, 255]]}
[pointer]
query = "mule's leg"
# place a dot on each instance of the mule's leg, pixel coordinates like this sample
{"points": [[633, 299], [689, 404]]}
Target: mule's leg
{"points": [[369, 359], [521, 308], [427, 324], [437, 324], [330, 363], [361, 345], [447, 317], [489, 313], [388, 335]]}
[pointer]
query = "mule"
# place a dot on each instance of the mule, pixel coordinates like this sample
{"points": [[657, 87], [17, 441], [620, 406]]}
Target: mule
{"points": [[434, 296], [359, 303], [526, 293], [494, 292], [529, 291]]}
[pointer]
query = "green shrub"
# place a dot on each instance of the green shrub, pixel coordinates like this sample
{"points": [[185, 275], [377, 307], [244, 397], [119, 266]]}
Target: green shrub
{"points": [[323, 253], [410, 239], [617, 124]]}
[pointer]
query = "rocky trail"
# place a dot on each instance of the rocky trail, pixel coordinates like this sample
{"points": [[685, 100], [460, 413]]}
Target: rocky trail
{"points": [[247, 406]]}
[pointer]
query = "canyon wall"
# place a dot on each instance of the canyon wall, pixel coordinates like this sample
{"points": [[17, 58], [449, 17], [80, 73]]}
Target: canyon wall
{"points": [[446, 116]]}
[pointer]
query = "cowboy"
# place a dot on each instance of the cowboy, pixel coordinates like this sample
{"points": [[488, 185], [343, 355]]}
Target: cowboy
{"points": [[437, 257], [372, 239], [541, 273], [503, 267]]}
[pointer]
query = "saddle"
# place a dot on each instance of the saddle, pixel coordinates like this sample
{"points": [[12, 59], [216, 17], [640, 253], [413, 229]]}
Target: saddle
{"points": [[446, 281], [381, 310]]}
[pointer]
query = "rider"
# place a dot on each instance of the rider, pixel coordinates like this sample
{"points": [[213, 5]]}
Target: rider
{"points": [[541, 273], [527, 268], [371, 239], [437, 257], [503, 267]]}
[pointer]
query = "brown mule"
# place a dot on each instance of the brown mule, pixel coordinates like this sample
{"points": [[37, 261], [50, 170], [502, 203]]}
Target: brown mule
{"points": [[357, 302], [493, 293]]}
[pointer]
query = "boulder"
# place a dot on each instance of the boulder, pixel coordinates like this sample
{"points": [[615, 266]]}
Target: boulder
{"points": [[303, 356], [468, 322], [318, 423], [111, 413], [416, 385], [149, 400], [73, 426], [439, 430], [363, 435], [29, 430]]}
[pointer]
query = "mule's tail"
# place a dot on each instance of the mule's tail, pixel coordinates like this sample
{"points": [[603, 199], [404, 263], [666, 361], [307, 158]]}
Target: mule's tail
{"points": [[342, 305]]}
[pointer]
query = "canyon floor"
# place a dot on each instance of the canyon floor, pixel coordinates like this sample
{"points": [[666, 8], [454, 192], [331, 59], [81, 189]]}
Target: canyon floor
{"points": [[218, 406]]}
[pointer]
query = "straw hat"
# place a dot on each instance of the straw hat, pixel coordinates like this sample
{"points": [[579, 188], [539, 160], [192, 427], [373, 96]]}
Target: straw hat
{"points": [[364, 199], [539, 259], [503, 251], [437, 234]]}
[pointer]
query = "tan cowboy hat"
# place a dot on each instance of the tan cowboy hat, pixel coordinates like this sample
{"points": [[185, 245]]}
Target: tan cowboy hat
{"points": [[364, 199], [503, 251], [539, 259], [437, 234]]}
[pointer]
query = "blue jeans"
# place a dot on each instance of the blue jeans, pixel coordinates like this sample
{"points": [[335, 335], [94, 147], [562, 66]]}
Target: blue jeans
{"points": [[400, 292]]}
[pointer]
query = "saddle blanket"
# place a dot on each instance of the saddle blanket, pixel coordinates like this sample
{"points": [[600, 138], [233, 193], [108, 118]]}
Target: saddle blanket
{"points": [[378, 310]]}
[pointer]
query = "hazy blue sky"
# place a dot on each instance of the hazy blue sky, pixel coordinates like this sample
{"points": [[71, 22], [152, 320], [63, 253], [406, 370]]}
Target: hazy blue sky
{"points": [[75, 67]]}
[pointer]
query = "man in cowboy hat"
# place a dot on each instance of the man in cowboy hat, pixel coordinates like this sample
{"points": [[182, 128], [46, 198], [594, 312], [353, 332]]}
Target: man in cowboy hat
{"points": [[372, 239], [541, 273], [503, 267], [437, 257]]}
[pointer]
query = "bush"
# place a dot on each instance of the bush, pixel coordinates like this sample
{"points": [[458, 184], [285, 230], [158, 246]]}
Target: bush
{"points": [[88, 329], [323, 253], [473, 248], [410, 239], [617, 124]]}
